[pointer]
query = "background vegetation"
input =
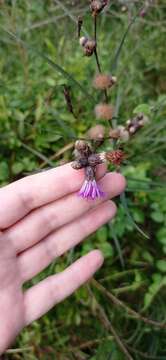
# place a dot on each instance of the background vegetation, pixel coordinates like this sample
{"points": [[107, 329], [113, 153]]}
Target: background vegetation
{"points": [[123, 311]]}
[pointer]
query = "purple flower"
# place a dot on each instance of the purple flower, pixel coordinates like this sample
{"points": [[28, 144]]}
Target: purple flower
{"points": [[90, 190]]}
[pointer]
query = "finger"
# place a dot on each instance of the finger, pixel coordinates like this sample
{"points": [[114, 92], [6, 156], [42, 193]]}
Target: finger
{"points": [[20, 197], [42, 297], [44, 220], [37, 258]]}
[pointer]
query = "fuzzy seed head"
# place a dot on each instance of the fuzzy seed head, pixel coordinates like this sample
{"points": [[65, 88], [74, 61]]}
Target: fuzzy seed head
{"points": [[114, 133], [104, 111], [124, 134], [96, 132], [103, 81]]}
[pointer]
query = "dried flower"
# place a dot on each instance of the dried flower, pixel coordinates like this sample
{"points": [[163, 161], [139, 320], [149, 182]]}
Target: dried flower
{"points": [[104, 81], [94, 160], [96, 132], [86, 159], [114, 134], [97, 6], [116, 157], [82, 150], [104, 111], [89, 45], [133, 125], [124, 134]]}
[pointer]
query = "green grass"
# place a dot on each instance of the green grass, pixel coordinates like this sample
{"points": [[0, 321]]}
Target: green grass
{"points": [[35, 125]]}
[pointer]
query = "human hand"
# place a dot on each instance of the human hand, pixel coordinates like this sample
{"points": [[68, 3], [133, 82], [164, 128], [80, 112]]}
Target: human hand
{"points": [[41, 217]]}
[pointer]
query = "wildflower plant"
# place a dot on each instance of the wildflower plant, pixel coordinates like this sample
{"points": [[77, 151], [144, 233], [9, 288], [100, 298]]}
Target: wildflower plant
{"points": [[87, 151]]}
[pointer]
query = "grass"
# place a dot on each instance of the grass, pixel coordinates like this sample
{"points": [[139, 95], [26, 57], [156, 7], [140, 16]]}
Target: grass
{"points": [[37, 131]]}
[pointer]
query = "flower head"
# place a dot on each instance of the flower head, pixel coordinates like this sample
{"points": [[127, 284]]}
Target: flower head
{"points": [[96, 132], [89, 45], [97, 6], [104, 111], [104, 81], [90, 190], [116, 157]]}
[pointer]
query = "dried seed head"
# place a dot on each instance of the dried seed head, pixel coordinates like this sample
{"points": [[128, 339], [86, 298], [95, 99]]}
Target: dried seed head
{"points": [[104, 81], [81, 145], [114, 133], [115, 157], [135, 124], [82, 151], [89, 47], [83, 40], [97, 6], [96, 132], [124, 133], [76, 165], [94, 160], [104, 111]]}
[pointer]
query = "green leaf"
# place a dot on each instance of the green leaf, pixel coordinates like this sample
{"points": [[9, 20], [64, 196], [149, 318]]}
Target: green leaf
{"points": [[143, 108], [157, 216], [161, 265], [17, 168]]}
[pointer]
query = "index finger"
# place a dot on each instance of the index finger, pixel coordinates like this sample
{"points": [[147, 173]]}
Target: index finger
{"points": [[22, 196]]}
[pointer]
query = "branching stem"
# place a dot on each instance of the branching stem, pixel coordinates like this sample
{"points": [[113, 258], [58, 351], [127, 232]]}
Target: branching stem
{"points": [[96, 55]]}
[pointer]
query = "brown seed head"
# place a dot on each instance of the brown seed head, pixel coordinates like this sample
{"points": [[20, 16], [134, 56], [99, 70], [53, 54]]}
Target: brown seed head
{"points": [[96, 132], [114, 133], [104, 81], [115, 157], [97, 6], [80, 145], [89, 47], [124, 133], [136, 123], [104, 111], [94, 160]]}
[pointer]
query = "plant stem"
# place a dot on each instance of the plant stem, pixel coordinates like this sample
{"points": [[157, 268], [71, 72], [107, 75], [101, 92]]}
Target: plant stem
{"points": [[96, 55]]}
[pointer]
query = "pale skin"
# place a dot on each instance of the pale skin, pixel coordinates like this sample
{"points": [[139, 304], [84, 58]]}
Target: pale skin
{"points": [[41, 217]]}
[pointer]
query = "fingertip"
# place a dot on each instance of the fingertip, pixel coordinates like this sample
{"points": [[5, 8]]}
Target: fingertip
{"points": [[121, 181], [97, 257], [112, 208]]}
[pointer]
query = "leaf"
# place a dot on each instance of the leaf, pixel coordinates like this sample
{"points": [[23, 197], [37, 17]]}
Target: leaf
{"points": [[143, 108], [157, 216], [161, 265]]}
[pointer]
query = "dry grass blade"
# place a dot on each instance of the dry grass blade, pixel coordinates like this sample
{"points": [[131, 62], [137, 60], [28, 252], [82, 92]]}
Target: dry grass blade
{"points": [[109, 327], [130, 311]]}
